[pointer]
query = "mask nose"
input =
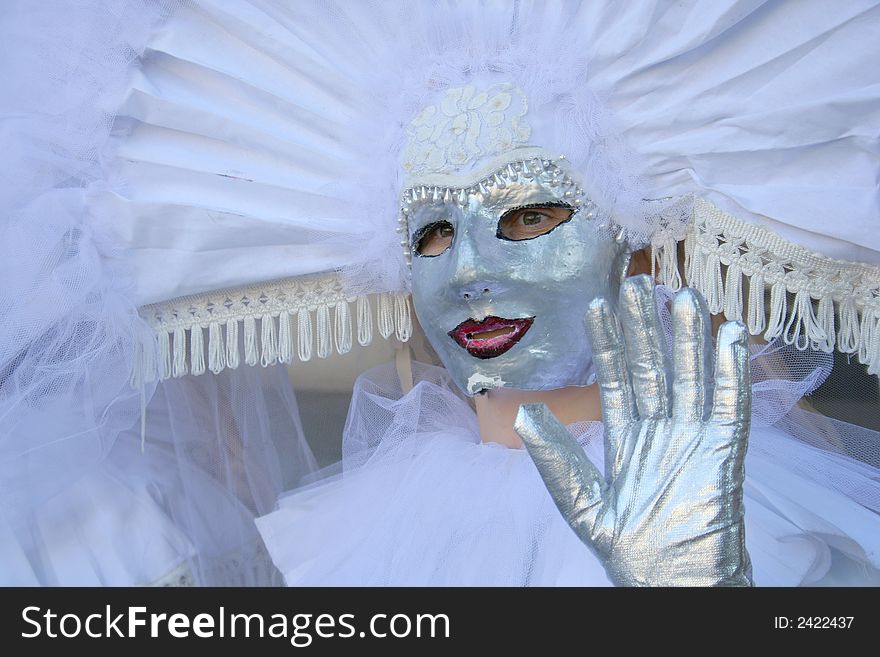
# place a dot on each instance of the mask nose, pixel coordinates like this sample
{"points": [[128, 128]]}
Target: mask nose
{"points": [[473, 292], [474, 275]]}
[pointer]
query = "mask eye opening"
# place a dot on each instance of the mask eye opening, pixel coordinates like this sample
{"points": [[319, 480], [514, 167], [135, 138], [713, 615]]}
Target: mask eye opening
{"points": [[512, 225], [433, 239]]}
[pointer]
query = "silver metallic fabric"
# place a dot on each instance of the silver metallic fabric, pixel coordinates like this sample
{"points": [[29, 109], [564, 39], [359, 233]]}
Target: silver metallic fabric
{"points": [[504, 312], [668, 511]]}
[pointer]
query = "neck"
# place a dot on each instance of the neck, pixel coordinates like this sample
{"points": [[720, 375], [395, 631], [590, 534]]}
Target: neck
{"points": [[497, 409]]}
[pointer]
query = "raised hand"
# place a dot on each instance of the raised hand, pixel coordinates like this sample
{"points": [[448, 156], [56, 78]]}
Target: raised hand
{"points": [[669, 510]]}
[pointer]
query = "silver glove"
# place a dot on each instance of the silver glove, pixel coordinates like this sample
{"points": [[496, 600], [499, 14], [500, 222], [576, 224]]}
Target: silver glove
{"points": [[669, 509]]}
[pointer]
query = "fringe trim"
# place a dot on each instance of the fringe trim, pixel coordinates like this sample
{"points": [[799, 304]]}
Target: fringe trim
{"points": [[814, 301], [265, 324]]}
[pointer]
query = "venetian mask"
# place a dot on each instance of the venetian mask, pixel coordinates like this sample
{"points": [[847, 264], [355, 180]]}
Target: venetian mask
{"points": [[505, 256], [502, 276]]}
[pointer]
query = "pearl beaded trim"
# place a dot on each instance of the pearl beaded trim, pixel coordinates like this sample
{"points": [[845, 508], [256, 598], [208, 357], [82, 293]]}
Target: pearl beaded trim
{"points": [[548, 172]]}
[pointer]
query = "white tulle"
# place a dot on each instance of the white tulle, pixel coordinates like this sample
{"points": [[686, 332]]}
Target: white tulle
{"points": [[83, 501], [222, 436], [422, 501], [69, 326]]}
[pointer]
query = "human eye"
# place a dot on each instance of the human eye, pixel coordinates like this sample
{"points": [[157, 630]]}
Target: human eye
{"points": [[433, 239], [530, 222]]}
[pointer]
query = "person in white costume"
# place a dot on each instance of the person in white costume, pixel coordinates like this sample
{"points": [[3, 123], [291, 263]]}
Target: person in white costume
{"points": [[509, 244], [196, 190], [505, 264]]}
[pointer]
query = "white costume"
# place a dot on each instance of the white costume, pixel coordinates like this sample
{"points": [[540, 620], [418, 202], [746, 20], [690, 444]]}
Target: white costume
{"points": [[421, 501], [194, 191]]}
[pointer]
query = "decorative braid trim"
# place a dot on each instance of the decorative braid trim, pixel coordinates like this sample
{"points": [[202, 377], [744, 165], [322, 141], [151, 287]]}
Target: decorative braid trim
{"points": [[814, 301], [277, 321]]}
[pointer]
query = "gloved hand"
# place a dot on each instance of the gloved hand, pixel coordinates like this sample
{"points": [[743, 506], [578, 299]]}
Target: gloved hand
{"points": [[669, 509]]}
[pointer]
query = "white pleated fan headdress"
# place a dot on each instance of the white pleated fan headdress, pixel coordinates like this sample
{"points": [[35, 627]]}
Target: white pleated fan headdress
{"points": [[262, 151]]}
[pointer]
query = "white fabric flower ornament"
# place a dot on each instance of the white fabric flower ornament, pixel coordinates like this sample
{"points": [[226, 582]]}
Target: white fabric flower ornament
{"points": [[465, 124]]}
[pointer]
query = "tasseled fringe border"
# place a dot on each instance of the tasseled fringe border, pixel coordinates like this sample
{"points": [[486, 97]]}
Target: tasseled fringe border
{"points": [[273, 337], [814, 301]]}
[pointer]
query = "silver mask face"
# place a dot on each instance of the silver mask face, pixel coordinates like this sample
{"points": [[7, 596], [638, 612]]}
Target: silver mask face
{"points": [[503, 272]]}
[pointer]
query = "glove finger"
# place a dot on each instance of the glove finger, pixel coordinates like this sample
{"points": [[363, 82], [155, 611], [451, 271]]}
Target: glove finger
{"points": [[692, 355], [645, 347]]}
